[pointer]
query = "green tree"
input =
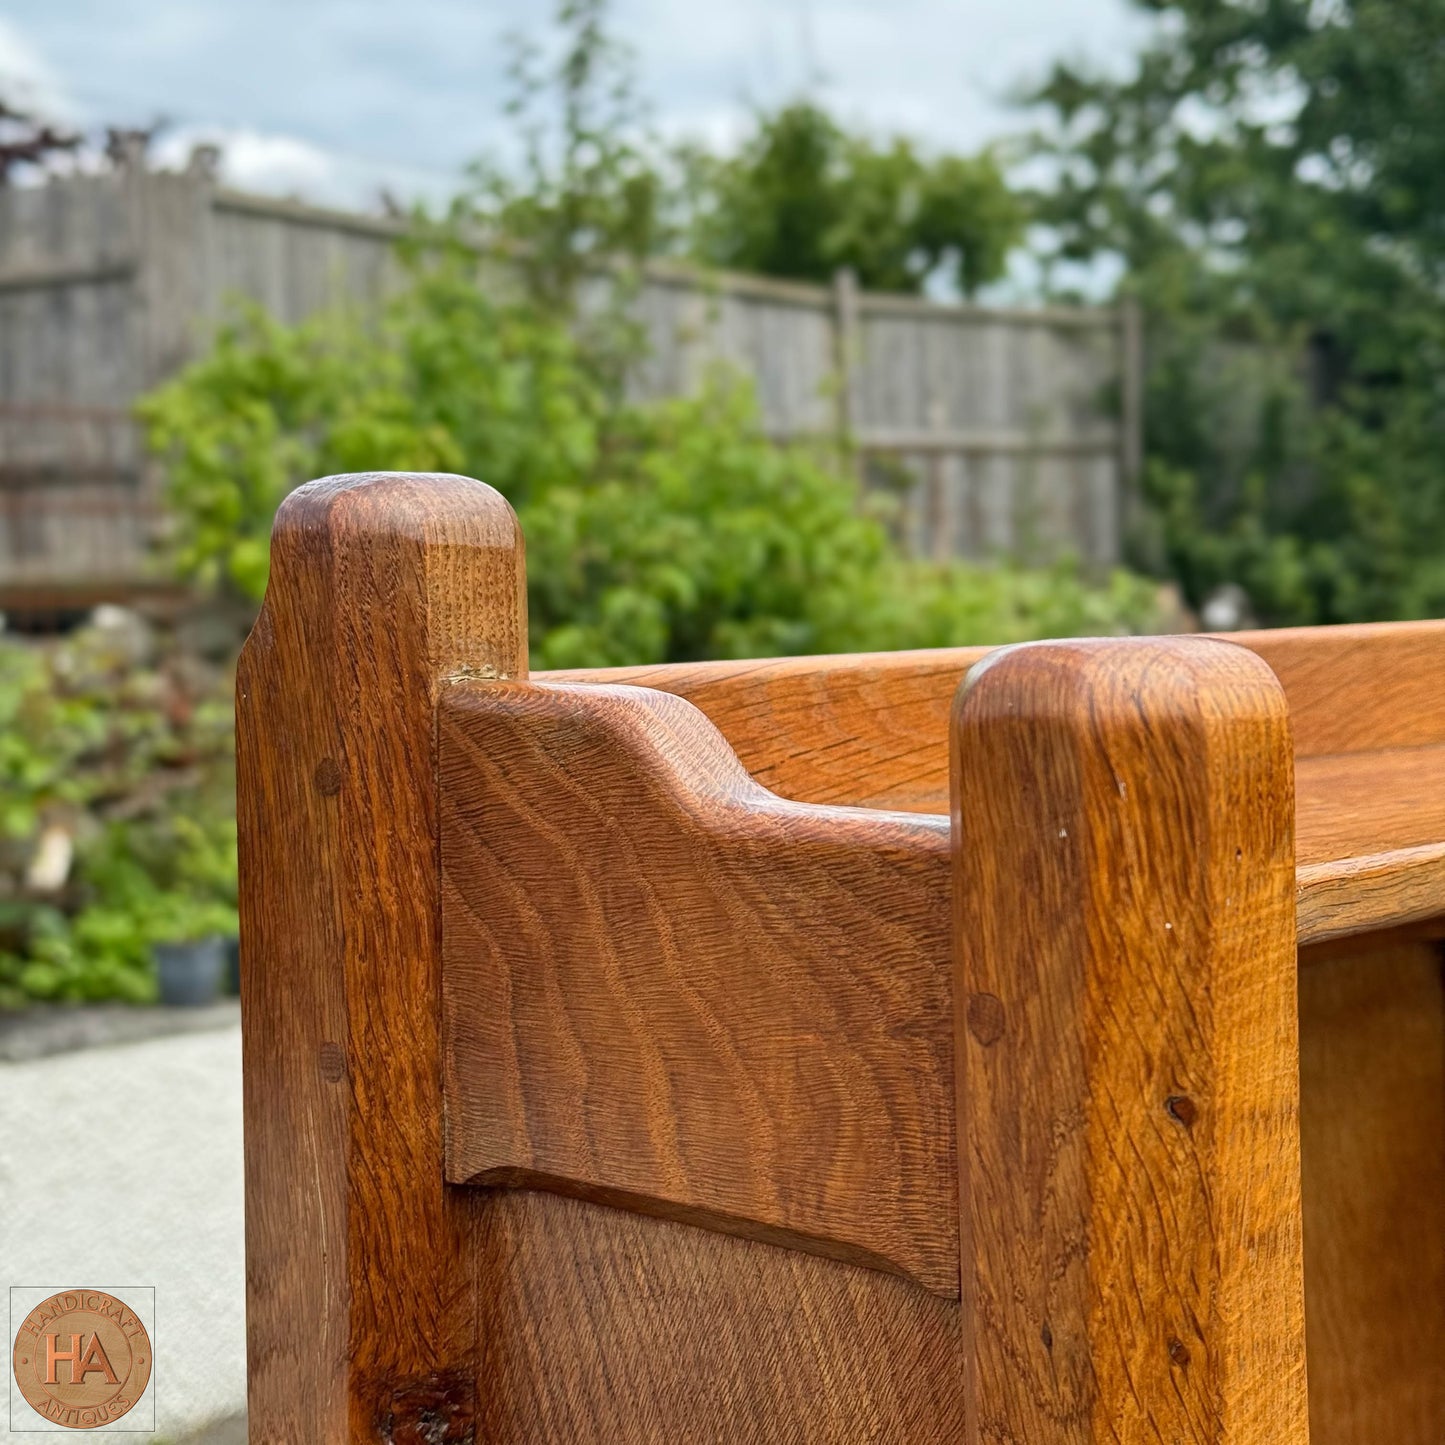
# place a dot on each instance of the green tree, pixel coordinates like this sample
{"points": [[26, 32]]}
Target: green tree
{"points": [[1271, 177], [588, 188], [803, 196]]}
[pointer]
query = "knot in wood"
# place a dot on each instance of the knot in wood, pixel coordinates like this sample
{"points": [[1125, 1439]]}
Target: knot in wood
{"points": [[985, 1018]]}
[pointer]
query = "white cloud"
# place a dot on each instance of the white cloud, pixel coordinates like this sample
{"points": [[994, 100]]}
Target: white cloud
{"points": [[252, 160], [28, 82]]}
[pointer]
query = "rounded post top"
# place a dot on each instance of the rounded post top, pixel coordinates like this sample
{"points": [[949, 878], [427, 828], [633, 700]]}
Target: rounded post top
{"points": [[427, 566], [427, 507], [1099, 677]]}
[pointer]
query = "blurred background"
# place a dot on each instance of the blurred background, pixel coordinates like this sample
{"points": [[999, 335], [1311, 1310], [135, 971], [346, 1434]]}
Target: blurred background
{"points": [[800, 326]]}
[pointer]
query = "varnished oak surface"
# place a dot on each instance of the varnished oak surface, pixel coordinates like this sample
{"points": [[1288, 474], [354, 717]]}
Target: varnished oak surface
{"points": [[558, 942], [872, 728], [602, 1327], [361, 1312], [1126, 1047], [1355, 804], [1375, 893], [669, 989], [383, 1304], [1371, 826], [1370, 833], [1372, 1085], [869, 730], [1367, 714]]}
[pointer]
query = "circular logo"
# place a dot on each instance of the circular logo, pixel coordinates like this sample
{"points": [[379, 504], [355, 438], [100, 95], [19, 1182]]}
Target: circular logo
{"points": [[82, 1358]]}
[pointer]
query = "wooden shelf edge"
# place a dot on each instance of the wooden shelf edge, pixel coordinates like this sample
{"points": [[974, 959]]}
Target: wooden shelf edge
{"points": [[1369, 893]]}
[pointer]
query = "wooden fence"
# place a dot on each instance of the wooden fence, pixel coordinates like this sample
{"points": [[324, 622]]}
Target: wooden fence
{"points": [[1003, 430]]}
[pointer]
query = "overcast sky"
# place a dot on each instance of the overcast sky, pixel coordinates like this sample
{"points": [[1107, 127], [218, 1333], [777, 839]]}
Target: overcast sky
{"points": [[333, 99]]}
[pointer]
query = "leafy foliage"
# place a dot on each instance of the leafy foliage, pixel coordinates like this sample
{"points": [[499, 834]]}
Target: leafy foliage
{"points": [[664, 530], [128, 764], [1271, 176], [655, 531], [803, 197]]}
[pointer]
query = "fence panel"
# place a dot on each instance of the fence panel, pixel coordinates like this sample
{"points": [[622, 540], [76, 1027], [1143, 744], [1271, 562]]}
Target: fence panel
{"points": [[1002, 430]]}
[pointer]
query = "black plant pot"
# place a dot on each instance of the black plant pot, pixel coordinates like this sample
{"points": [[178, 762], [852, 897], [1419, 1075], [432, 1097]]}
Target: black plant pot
{"points": [[190, 973], [233, 967]]}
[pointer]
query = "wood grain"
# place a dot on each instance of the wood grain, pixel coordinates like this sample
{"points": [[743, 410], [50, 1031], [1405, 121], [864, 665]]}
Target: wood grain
{"points": [[1353, 805], [1126, 1050], [1372, 1086], [866, 729], [1370, 831], [361, 1309], [598, 1325], [1361, 687], [872, 728], [668, 989], [555, 938], [1370, 894]]}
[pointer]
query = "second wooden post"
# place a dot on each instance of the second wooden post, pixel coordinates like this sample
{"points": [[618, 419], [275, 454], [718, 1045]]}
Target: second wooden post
{"points": [[1127, 1046]]}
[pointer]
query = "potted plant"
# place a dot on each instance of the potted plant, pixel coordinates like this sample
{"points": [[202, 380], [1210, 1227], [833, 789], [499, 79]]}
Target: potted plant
{"points": [[188, 944], [233, 965]]}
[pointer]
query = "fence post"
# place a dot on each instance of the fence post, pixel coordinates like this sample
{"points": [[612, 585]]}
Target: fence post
{"points": [[1131, 415], [847, 337]]}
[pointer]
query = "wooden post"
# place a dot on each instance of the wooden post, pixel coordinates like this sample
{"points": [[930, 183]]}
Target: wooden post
{"points": [[361, 1299], [939, 543], [1127, 1052], [847, 346], [1131, 416]]}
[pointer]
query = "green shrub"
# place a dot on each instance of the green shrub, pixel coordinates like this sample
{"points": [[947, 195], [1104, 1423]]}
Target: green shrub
{"points": [[126, 764], [655, 531]]}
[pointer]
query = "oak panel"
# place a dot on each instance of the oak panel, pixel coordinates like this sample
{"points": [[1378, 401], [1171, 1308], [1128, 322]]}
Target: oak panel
{"points": [[668, 989], [1371, 841], [1356, 804], [598, 1325], [869, 729], [1372, 1084]]}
